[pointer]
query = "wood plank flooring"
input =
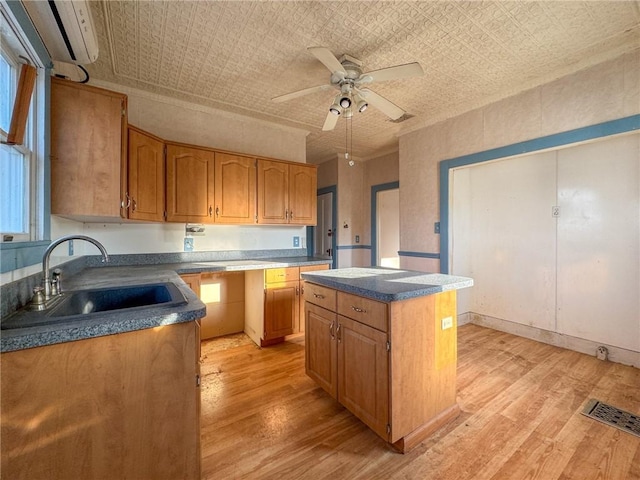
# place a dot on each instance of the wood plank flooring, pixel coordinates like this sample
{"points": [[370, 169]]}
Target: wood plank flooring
{"points": [[262, 418]]}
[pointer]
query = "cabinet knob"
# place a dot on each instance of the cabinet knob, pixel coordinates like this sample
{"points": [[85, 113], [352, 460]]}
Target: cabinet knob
{"points": [[317, 295], [217, 211], [210, 211]]}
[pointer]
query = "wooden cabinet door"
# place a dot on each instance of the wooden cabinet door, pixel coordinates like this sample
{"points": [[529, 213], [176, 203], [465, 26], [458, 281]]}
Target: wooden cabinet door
{"points": [[88, 150], [133, 397], [321, 356], [190, 184], [308, 268], [145, 195], [363, 373], [273, 192], [281, 310], [235, 189], [303, 194]]}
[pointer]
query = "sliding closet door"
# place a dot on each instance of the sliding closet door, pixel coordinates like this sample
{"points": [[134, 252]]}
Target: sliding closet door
{"points": [[599, 242], [503, 236]]}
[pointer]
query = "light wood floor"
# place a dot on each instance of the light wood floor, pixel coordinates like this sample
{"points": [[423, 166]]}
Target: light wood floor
{"points": [[262, 418]]}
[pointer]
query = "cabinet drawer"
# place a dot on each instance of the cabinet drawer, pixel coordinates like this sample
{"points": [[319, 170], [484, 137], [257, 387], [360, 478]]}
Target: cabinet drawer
{"points": [[278, 275], [364, 310], [321, 296]]}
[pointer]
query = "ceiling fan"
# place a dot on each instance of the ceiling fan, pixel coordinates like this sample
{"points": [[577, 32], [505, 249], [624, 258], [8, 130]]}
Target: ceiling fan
{"points": [[347, 76]]}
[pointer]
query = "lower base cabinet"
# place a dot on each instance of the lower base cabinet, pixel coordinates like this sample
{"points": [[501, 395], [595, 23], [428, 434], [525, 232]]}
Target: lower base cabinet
{"points": [[281, 311], [118, 406], [390, 364]]}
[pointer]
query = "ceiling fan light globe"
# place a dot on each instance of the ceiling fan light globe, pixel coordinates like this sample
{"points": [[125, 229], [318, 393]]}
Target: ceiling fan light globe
{"points": [[335, 109], [362, 106], [345, 102]]}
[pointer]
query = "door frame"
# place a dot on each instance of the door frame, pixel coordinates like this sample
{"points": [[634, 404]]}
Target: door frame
{"points": [[374, 215], [311, 230]]}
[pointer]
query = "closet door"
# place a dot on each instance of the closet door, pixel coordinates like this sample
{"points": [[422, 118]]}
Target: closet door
{"points": [[504, 238], [599, 241]]}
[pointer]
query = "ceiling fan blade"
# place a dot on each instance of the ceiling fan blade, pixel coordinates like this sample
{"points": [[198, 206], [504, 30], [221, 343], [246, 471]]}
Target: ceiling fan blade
{"points": [[330, 122], [327, 58], [390, 109], [393, 73], [301, 93]]}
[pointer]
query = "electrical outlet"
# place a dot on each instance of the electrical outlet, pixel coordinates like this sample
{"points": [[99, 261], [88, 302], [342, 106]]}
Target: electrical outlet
{"points": [[447, 322], [296, 241], [357, 238], [71, 248], [436, 227], [188, 244]]}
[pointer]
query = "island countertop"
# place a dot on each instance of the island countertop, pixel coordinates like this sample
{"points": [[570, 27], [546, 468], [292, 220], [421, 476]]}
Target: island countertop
{"points": [[387, 284]]}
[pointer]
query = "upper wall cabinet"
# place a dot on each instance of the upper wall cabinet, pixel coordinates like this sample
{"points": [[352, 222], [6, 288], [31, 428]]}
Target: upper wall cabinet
{"points": [[88, 150], [145, 194], [235, 189], [286, 193], [190, 184]]}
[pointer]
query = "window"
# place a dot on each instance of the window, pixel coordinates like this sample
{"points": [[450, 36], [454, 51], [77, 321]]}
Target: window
{"points": [[21, 166]]}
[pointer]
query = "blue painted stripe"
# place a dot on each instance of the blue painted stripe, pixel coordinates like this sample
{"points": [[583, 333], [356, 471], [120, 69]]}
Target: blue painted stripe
{"points": [[19, 255], [600, 130], [353, 247], [22, 17], [403, 253], [374, 215]]}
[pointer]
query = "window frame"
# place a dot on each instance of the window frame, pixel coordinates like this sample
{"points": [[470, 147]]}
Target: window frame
{"points": [[20, 254]]}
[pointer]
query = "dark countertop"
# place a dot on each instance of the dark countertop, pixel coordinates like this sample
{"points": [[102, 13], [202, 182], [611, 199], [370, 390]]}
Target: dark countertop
{"points": [[386, 284], [147, 317]]}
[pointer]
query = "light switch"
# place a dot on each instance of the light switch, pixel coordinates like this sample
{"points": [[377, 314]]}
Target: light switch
{"points": [[447, 322]]}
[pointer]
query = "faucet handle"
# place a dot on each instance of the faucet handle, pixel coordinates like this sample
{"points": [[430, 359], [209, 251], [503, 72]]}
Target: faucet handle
{"points": [[38, 296]]}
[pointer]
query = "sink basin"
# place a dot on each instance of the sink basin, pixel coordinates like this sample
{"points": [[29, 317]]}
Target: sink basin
{"points": [[85, 304]]}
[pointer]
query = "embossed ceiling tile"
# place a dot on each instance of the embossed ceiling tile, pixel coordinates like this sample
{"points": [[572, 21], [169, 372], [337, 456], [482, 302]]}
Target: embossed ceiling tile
{"points": [[122, 22]]}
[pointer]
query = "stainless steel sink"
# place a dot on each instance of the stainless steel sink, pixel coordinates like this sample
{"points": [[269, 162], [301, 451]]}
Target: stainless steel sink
{"points": [[86, 304]]}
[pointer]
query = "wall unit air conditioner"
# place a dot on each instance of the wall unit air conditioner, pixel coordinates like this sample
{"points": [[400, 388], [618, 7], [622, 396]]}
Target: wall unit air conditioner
{"points": [[66, 29]]}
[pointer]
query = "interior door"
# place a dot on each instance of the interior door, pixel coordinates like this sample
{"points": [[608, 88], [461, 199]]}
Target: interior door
{"points": [[324, 235]]}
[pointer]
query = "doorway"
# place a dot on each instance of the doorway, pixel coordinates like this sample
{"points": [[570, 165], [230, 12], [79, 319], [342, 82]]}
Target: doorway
{"points": [[323, 235], [385, 225]]}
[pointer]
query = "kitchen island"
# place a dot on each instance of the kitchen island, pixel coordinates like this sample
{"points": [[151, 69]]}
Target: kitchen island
{"points": [[383, 343]]}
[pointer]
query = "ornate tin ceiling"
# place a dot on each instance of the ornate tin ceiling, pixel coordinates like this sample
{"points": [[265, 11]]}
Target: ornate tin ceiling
{"points": [[237, 55]]}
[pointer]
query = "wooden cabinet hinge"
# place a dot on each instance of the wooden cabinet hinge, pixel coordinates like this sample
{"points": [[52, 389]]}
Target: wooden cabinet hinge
{"points": [[197, 380], [388, 346], [388, 429]]}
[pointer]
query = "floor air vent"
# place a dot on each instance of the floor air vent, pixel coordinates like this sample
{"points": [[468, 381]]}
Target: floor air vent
{"points": [[613, 416]]}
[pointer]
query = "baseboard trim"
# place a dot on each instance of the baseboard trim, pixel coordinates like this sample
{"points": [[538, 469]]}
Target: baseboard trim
{"points": [[616, 354]]}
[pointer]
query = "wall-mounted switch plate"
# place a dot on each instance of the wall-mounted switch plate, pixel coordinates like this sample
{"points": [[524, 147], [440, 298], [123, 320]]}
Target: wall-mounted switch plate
{"points": [[188, 244], [447, 322], [296, 241], [436, 227], [357, 238], [71, 248]]}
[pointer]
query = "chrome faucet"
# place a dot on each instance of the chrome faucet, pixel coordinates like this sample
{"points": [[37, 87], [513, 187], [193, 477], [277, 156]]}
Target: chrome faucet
{"points": [[47, 253]]}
